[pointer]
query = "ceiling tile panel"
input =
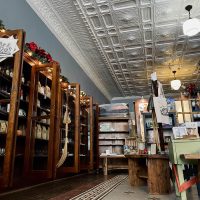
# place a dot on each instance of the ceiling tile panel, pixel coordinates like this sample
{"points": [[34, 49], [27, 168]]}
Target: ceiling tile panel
{"points": [[124, 41]]}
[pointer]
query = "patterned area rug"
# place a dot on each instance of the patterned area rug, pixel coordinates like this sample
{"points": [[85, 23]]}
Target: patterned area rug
{"points": [[101, 190]]}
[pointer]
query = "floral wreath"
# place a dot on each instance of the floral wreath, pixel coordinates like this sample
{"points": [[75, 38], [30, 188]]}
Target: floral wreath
{"points": [[38, 53]]}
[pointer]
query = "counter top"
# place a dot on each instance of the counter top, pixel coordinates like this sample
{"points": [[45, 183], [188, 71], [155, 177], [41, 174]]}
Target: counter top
{"points": [[156, 156]]}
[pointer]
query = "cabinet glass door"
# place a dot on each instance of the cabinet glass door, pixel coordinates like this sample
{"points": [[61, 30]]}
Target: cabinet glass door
{"points": [[84, 134], [42, 118], [10, 73], [69, 127], [22, 124]]}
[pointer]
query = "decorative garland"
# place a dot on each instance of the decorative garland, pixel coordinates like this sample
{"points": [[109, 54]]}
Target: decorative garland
{"points": [[38, 53], [64, 79], [82, 93]]}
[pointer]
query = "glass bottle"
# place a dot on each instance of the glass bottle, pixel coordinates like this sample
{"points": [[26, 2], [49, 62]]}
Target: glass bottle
{"points": [[21, 95], [23, 79], [11, 73], [7, 71]]}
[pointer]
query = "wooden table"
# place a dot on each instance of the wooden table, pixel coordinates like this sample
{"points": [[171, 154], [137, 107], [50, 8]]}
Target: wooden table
{"points": [[107, 165], [194, 156], [181, 153], [153, 169]]}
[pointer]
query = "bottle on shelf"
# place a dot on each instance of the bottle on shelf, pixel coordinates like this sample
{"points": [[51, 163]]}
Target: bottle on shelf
{"points": [[23, 79], [8, 108], [21, 95], [11, 73], [8, 71]]}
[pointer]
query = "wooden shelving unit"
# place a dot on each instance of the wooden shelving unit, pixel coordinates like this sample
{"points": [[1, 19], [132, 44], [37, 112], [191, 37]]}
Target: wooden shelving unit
{"points": [[10, 84], [148, 127], [69, 97], [112, 134], [84, 143], [96, 136], [41, 125]]}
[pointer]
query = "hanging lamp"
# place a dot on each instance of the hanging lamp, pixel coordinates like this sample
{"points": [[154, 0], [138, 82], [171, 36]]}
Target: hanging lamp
{"points": [[191, 26], [175, 84]]}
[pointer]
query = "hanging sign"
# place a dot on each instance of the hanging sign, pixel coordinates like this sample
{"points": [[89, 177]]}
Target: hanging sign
{"points": [[8, 47]]}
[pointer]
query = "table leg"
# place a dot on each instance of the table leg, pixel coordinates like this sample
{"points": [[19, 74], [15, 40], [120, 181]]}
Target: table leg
{"points": [[198, 170], [105, 166], [181, 181]]}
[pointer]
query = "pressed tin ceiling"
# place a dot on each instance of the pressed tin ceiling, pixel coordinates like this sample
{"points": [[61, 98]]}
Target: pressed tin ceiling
{"points": [[119, 43]]}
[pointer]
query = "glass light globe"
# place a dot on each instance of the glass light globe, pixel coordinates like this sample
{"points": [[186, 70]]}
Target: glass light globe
{"points": [[175, 84], [191, 27]]}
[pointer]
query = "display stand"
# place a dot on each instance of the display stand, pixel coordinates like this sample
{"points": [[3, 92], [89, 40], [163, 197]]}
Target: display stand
{"points": [[69, 97], [110, 162], [41, 126], [10, 100], [156, 172]]}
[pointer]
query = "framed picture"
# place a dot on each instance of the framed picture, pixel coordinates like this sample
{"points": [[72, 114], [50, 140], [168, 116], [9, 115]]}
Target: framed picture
{"points": [[179, 132], [192, 129]]}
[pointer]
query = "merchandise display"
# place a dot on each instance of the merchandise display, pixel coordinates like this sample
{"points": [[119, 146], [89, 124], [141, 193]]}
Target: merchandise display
{"points": [[12, 108]]}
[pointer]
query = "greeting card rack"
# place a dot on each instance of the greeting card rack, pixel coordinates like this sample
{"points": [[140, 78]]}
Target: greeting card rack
{"points": [[10, 84]]}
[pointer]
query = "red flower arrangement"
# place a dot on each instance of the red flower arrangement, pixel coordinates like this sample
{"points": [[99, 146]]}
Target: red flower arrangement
{"points": [[32, 46], [192, 89], [38, 53]]}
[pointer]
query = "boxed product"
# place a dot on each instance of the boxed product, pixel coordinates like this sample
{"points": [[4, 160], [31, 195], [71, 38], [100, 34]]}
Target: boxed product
{"points": [[114, 109]]}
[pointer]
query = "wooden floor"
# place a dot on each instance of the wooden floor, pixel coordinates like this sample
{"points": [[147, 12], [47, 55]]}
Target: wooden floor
{"points": [[58, 190]]}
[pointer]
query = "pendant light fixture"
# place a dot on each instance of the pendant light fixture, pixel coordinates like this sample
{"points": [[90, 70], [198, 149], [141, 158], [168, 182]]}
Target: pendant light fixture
{"points": [[175, 84], [191, 26]]}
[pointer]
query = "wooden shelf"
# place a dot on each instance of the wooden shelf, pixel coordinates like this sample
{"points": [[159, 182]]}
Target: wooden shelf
{"points": [[113, 132], [111, 144], [40, 156], [164, 128], [84, 125], [41, 140], [110, 166], [24, 101], [82, 155], [42, 123], [20, 155], [4, 94], [113, 118], [112, 138], [2, 112], [40, 95], [143, 176], [43, 109], [3, 133], [25, 85], [40, 117], [5, 77], [21, 137]]}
